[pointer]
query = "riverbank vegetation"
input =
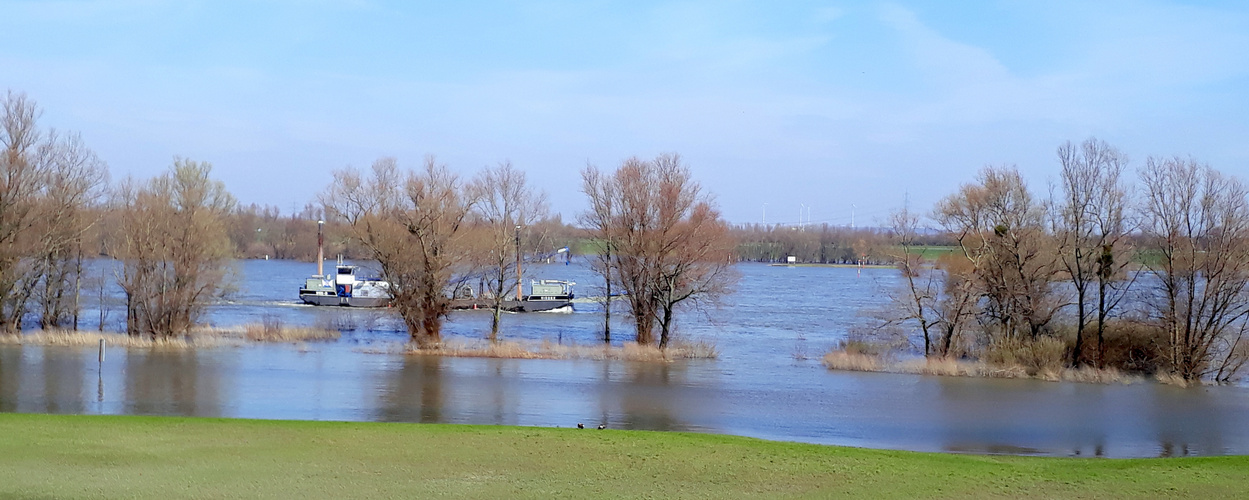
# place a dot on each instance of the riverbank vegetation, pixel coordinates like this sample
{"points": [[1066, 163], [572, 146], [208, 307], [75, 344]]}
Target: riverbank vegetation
{"points": [[198, 337], [628, 351], [168, 457], [1148, 285]]}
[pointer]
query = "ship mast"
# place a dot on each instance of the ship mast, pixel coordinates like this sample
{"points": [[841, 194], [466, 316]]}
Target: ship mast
{"points": [[518, 273], [320, 248]]}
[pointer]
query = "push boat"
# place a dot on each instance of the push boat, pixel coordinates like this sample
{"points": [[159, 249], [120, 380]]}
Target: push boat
{"points": [[346, 287], [544, 295]]}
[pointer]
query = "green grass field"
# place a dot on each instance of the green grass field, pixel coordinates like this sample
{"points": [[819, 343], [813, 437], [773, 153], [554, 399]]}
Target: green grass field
{"points": [[44, 456]]}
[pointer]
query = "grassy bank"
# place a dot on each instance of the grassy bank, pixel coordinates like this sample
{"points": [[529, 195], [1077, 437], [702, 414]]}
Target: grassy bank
{"points": [[156, 457]]}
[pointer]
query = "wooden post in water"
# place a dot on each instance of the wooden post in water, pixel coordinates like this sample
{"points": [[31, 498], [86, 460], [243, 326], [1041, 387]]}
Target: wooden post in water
{"points": [[101, 352]]}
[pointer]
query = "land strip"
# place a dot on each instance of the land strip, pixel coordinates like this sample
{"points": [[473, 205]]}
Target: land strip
{"points": [[48, 456]]}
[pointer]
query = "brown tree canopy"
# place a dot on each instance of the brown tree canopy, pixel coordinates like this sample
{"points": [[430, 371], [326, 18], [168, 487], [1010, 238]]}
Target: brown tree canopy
{"points": [[667, 244], [174, 246], [49, 182], [414, 225], [1001, 231]]}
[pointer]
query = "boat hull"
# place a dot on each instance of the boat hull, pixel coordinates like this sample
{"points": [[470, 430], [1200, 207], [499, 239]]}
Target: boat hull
{"points": [[321, 299], [512, 305]]}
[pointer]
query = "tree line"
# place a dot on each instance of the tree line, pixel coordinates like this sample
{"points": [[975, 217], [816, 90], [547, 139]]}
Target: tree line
{"points": [[1100, 271], [660, 242]]}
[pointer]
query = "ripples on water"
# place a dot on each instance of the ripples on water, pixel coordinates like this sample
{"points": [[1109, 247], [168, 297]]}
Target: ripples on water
{"points": [[760, 386]]}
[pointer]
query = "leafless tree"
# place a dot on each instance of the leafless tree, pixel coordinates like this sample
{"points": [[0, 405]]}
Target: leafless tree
{"points": [[413, 225], [668, 244], [1091, 229], [599, 219], [21, 179], [1197, 220], [921, 285], [175, 248], [1000, 229], [48, 184], [505, 206]]}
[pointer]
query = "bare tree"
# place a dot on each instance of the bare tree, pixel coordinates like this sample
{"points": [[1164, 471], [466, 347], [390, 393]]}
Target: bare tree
{"points": [[669, 246], [413, 224], [175, 248], [505, 206], [1091, 231], [1197, 220], [920, 282], [1001, 231], [48, 181], [21, 178], [75, 181], [599, 188]]}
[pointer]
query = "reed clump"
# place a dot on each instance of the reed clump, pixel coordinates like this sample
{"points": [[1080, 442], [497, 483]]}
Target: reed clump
{"points": [[852, 360], [271, 329], [628, 351], [82, 338]]}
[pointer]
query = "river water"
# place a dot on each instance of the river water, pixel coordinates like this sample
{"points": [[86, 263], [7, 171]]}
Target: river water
{"points": [[767, 381]]}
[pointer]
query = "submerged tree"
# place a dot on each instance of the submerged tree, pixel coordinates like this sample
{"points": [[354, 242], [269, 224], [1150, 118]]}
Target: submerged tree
{"points": [[48, 183], [413, 225], [920, 289], [174, 246], [937, 296], [506, 206], [1001, 231], [668, 246], [1197, 220], [1091, 230]]}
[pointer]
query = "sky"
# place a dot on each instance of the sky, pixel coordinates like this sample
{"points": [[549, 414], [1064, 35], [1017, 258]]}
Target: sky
{"points": [[828, 112]]}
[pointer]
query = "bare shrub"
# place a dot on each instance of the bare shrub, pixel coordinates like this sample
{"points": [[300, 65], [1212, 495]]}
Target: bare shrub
{"points": [[1135, 347], [853, 361], [1043, 356]]}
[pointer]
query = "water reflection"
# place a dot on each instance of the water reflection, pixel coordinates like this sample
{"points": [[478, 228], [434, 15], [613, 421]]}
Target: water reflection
{"points": [[171, 383], [756, 387], [414, 392], [650, 396], [862, 409]]}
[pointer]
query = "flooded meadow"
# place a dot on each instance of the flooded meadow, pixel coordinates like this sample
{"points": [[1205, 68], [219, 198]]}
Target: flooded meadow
{"points": [[767, 381]]}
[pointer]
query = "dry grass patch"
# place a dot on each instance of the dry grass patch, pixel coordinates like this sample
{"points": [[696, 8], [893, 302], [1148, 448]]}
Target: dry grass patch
{"points": [[265, 333], [546, 350], [81, 338], [851, 360]]}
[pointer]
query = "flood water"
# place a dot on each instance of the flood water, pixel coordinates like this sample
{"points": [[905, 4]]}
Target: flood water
{"points": [[767, 381]]}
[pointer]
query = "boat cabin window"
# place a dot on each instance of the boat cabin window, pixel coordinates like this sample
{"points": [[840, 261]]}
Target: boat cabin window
{"points": [[344, 270]]}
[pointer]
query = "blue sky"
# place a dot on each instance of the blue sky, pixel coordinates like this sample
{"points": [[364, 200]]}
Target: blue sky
{"points": [[824, 104]]}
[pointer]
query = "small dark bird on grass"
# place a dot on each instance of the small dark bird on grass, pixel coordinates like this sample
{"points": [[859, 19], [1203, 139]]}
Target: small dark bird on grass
{"points": [[602, 426], [580, 425]]}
